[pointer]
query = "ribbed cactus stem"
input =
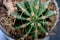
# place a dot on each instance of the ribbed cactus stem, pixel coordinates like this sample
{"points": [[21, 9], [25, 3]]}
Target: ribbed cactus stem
{"points": [[31, 6], [36, 31], [43, 8], [23, 25], [28, 32], [43, 30], [35, 17], [23, 9]]}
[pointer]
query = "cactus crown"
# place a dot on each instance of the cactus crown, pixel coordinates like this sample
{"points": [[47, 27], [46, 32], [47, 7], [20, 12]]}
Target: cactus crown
{"points": [[34, 17]]}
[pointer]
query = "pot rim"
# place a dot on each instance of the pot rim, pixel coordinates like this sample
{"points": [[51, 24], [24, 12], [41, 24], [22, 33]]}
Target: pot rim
{"points": [[57, 17]]}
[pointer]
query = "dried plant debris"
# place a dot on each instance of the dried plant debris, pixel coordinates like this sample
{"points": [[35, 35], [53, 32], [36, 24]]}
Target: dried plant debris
{"points": [[51, 6], [29, 20]]}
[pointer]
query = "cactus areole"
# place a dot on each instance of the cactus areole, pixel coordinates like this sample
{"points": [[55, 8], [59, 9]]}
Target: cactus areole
{"points": [[31, 19]]}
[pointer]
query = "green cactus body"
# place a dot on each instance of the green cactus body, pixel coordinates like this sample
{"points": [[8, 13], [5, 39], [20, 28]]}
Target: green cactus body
{"points": [[33, 17]]}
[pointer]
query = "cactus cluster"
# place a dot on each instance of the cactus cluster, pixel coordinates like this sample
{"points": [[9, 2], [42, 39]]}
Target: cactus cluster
{"points": [[33, 18]]}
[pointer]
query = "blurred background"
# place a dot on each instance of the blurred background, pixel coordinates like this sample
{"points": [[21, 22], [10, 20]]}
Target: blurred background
{"points": [[56, 31]]}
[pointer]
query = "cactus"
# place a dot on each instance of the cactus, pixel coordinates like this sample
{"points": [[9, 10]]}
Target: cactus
{"points": [[34, 17]]}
